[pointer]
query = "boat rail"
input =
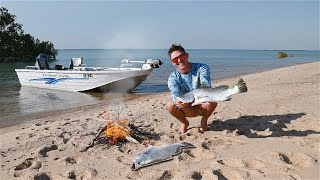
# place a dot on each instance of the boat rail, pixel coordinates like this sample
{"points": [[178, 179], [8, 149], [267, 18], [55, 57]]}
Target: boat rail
{"points": [[77, 65]]}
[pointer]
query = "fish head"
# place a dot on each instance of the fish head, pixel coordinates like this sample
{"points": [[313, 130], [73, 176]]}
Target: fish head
{"points": [[143, 159], [136, 164]]}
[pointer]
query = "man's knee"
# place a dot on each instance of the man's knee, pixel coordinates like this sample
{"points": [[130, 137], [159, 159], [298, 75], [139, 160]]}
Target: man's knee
{"points": [[212, 106]]}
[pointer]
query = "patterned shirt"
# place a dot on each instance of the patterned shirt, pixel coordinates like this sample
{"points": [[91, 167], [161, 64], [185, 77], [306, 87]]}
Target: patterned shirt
{"points": [[198, 76]]}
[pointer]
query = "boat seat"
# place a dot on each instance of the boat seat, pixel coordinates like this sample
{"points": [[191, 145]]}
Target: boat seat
{"points": [[76, 62], [42, 63]]}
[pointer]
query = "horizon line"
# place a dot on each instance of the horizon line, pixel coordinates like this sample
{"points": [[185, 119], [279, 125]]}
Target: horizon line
{"points": [[186, 49]]}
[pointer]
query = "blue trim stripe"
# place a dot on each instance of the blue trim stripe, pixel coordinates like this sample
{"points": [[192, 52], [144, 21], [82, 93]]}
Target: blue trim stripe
{"points": [[55, 80]]}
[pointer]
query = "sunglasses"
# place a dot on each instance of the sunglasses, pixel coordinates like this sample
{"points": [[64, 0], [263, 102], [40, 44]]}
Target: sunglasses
{"points": [[182, 57]]}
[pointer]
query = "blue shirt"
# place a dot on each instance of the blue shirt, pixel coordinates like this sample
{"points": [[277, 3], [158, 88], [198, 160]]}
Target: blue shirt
{"points": [[198, 76]]}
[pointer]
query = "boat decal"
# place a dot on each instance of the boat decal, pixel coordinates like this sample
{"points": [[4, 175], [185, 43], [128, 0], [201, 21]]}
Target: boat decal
{"points": [[55, 80], [87, 75]]}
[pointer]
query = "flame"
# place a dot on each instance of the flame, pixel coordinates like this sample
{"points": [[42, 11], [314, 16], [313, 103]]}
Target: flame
{"points": [[114, 132]]}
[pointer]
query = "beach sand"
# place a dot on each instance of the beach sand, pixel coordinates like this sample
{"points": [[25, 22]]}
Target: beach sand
{"points": [[270, 132]]}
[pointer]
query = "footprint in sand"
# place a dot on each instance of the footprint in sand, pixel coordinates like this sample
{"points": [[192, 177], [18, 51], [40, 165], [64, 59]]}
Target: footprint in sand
{"points": [[87, 174], [231, 173], [47, 149], [295, 159], [186, 155], [65, 136], [257, 165], [193, 175], [24, 136], [28, 163], [83, 175], [211, 144], [42, 176], [38, 124], [237, 163], [71, 160], [166, 175], [196, 175], [24, 165], [37, 165], [72, 175]]}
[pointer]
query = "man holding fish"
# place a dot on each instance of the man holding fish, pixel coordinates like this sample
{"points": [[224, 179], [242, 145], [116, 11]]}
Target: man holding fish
{"points": [[191, 92], [187, 77]]}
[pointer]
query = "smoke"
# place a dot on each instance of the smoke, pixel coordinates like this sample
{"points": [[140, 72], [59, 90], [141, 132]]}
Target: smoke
{"points": [[131, 38]]}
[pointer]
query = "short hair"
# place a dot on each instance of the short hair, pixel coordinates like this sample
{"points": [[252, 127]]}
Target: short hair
{"points": [[175, 47]]}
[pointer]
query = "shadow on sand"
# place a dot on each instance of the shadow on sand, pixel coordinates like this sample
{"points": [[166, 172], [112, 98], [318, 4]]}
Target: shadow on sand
{"points": [[250, 125]]}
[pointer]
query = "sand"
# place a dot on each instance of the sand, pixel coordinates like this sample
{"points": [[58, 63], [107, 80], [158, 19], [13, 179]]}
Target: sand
{"points": [[270, 132]]}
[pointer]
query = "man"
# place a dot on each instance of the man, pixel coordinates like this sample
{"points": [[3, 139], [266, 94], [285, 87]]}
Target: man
{"points": [[187, 77]]}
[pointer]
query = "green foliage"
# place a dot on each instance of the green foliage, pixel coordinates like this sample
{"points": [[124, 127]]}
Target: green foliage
{"points": [[282, 54], [15, 45]]}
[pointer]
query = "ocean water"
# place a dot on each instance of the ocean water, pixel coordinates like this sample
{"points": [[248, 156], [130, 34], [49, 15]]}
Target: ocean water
{"points": [[17, 101]]}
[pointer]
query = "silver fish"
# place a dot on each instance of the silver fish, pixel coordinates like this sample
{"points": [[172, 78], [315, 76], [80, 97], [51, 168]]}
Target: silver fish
{"points": [[156, 154], [217, 94]]}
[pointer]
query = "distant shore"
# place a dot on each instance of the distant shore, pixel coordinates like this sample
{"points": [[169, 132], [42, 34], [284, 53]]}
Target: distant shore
{"points": [[270, 132]]}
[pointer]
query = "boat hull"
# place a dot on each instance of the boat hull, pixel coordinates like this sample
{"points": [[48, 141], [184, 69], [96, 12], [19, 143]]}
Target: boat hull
{"points": [[71, 80]]}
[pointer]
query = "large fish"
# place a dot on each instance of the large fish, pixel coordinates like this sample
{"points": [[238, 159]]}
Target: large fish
{"points": [[217, 94], [156, 154]]}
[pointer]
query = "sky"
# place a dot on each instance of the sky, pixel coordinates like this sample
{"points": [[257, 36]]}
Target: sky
{"points": [[215, 24]]}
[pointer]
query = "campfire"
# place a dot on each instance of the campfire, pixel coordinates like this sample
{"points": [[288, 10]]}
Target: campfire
{"points": [[117, 132]]}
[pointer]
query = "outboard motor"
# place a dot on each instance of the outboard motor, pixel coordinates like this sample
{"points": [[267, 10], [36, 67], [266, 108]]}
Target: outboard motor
{"points": [[76, 62], [154, 63]]}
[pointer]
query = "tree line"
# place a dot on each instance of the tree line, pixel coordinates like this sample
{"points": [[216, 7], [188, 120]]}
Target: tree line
{"points": [[15, 45]]}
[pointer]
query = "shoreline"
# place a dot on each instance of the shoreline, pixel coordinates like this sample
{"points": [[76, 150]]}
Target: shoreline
{"points": [[270, 132], [11, 121]]}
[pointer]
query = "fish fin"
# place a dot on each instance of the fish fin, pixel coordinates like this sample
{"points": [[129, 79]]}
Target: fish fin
{"points": [[201, 99], [187, 145], [168, 159], [242, 86], [178, 151]]}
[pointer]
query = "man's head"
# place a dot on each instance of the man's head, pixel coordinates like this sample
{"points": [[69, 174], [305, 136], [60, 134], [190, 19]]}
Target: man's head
{"points": [[179, 58]]}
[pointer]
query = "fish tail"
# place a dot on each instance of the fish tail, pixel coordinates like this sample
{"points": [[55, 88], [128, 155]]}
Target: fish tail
{"points": [[242, 86], [187, 145]]}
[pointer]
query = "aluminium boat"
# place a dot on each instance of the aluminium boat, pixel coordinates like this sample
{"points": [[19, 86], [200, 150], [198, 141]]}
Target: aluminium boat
{"points": [[79, 77]]}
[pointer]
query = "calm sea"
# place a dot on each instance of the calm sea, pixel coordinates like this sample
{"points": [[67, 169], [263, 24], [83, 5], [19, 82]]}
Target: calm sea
{"points": [[17, 101]]}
